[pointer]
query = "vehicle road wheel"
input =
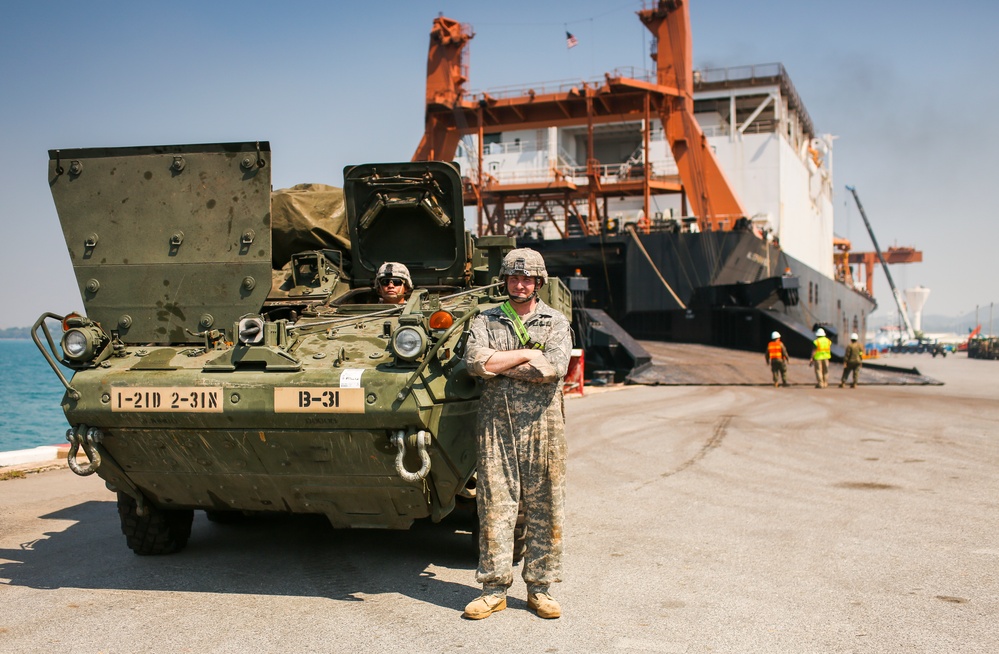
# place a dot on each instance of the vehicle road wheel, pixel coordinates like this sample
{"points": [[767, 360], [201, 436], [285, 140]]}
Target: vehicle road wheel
{"points": [[159, 531]]}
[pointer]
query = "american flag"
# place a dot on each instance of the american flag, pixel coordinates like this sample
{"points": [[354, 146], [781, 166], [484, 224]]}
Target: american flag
{"points": [[570, 40]]}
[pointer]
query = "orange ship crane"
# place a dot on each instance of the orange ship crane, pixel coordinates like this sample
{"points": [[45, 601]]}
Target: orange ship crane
{"points": [[451, 113], [846, 258]]}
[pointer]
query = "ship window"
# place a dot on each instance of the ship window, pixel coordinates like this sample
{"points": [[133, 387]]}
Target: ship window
{"points": [[810, 292]]}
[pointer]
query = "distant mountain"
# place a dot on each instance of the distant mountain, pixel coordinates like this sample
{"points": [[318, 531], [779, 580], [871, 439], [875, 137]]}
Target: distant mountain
{"points": [[961, 324], [15, 332]]}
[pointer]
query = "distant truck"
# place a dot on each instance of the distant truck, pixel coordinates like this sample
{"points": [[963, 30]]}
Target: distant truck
{"points": [[919, 346]]}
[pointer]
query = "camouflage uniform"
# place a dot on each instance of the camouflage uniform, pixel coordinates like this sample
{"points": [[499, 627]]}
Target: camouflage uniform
{"points": [[522, 449], [852, 361]]}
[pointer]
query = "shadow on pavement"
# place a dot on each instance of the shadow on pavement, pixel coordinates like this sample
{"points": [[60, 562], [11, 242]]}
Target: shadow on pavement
{"points": [[279, 555]]}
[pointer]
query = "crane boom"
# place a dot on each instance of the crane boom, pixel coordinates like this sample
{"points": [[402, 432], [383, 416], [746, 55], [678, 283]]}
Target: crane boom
{"points": [[910, 333]]}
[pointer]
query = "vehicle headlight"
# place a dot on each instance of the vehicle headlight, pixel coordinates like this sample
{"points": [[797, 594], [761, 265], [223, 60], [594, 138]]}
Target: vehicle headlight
{"points": [[408, 343], [81, 343]]}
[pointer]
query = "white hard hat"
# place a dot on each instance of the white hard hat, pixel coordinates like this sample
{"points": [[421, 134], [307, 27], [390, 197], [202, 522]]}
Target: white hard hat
{"points": [[854, 337], [820, 332], [775, 335]]}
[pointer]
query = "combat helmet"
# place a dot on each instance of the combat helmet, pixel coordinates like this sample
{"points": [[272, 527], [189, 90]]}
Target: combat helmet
{"points": [[395, 269], [524, 261]]}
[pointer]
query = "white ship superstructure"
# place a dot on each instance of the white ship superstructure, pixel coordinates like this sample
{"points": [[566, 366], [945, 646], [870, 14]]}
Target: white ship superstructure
{"points": [[754, 121]]}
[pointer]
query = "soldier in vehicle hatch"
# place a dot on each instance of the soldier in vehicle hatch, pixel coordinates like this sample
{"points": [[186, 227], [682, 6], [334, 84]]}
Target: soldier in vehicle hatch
{"points": [[393, 283], [521, 349]]}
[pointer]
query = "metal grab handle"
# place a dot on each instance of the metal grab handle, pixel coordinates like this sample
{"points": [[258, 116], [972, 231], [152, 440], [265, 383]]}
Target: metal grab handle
{"points": [[48, 354], [422, 441], [76, 438]]}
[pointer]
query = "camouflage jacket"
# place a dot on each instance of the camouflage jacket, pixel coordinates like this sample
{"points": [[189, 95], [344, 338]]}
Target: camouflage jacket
{"points": [[493, 331]]}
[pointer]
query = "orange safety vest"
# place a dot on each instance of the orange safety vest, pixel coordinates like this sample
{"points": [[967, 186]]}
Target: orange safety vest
{"points": [[775, 349]]}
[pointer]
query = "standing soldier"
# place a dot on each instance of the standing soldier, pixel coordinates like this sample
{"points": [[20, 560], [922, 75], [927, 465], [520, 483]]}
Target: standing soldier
{"points": [[521, 349], [777, 358], [820, 357], [852, 361]]}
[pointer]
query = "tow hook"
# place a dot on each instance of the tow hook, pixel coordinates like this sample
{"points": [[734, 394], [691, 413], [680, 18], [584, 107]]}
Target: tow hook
{"points": [[85, 438], [422, 441]]}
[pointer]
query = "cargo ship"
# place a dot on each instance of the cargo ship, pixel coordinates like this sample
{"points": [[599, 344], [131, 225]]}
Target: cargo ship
{"points": [[684, 205]]}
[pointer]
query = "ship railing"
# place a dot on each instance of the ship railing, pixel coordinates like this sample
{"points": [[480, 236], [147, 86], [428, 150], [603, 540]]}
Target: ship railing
{"points": [[560, 86], [747, 75], [758, 126], [608, 173], [739, 74], [731, 76]]}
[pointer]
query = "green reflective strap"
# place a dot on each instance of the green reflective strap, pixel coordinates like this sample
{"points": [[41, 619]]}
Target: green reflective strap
{"points": [[518, 326]]}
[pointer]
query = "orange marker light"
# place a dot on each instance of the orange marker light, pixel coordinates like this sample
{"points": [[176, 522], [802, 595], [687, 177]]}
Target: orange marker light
{"points": [[441, 320], [65, 321]]}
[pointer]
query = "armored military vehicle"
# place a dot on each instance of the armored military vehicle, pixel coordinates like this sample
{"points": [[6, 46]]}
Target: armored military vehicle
{"points": [[203, 378]]}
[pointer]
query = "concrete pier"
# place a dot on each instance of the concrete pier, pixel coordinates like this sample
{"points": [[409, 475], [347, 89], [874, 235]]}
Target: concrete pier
{"points": [[736, 519]]}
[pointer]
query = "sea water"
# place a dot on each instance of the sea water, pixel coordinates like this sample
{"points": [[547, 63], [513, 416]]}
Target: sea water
{"points": [[30, 396]]}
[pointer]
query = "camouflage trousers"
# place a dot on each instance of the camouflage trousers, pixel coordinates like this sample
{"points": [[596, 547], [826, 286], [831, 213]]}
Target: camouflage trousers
{"points": [[522, 457], [779, 369], [851, 368]]}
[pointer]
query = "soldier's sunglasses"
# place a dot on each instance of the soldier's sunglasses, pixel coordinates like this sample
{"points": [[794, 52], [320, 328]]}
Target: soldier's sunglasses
{"points": [[395, 281]]}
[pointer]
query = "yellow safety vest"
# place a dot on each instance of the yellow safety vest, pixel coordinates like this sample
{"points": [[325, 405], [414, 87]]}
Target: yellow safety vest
{"points": [[822, 345]]}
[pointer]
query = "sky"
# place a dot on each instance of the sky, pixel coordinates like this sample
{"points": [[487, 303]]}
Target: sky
{"points": [[907, 87]]}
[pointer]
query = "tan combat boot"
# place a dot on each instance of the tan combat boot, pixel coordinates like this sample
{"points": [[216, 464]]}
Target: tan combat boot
{"points": [[484, 606], [544, 605]]}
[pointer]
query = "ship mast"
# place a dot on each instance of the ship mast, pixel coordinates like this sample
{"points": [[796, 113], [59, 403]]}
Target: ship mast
{"points": [[452, 113]]}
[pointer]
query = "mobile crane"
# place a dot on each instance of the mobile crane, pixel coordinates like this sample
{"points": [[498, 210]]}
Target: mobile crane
{"points": [[908, 333]]}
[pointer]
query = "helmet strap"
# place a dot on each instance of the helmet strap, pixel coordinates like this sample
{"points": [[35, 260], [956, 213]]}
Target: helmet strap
{"points": [[523, 300]]}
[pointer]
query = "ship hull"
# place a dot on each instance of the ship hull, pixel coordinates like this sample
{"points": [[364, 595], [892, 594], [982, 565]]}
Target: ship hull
{"points": [[730, 289]]}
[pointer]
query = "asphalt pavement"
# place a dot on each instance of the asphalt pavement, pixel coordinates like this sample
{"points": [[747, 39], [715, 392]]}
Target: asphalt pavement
{"points": [[700, 519]]}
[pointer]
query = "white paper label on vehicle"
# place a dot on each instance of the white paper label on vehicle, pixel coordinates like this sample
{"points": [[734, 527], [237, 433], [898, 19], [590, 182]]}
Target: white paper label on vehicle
{"points": [[351, 378]]}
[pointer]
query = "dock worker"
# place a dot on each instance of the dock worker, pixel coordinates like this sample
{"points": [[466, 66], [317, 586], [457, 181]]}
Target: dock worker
{"points": [[393, 283], [821, 353], [521, 351], [852, 361], [777, 357]]}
